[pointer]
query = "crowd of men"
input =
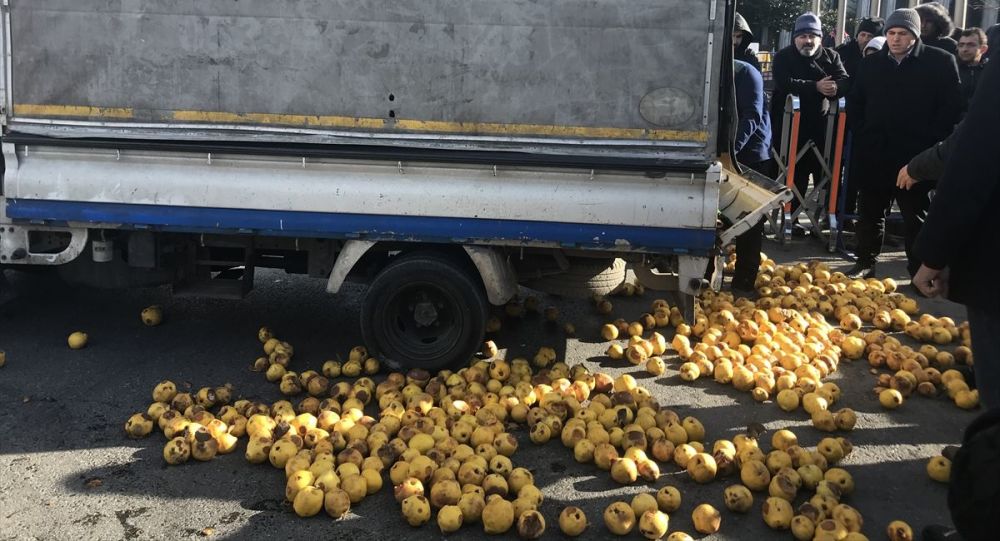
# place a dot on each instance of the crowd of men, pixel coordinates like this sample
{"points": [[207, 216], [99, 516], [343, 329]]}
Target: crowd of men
{"points": [[923, 116]]}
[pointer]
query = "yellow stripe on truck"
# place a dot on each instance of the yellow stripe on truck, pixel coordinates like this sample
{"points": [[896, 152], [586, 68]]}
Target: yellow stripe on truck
{"points": [[28, 109], [219, 117], [410, 125]]}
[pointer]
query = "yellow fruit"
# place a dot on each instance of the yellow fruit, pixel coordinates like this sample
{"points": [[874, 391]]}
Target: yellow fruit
{"points": [[755, 475], [498, 515], [899, 531], [803, 528], [449, 519], [139, 425], [177, 451], [890, 399], [706, 519], [738, 498], [77, 340], [643, 502], [530, 525], [416, 510], [777, 513], [939, 469], [472, 505], [679, 536], [296, 482], [619, 518], [624, 471], [152, 316], [355, 486], [308, 502], [656, 366], [788, 400], [966, 399], [702, 468], [653, 524], [668, 499], [609, 332], [336, 502], [572, 521]]}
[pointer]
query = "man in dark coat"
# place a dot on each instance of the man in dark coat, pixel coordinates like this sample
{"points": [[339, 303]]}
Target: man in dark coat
{"points": [[957, 245], [742, 37], [936, 27], [816, 75], [972, 45], [905, 99], [851, 52], [752, 144]]}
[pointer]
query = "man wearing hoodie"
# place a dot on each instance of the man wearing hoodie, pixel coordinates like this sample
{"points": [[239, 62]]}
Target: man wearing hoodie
{"points": [[851, 52], [816, 75], [905, 99], [936, 27], [742, 38]]}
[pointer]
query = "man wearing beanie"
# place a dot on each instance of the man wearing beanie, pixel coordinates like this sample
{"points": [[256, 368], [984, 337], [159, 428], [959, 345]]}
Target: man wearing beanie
{"points": [[851, 52], [904, 99], [816, 75]]}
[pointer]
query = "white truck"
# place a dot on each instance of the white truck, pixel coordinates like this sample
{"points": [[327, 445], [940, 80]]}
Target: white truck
{"points": [[444, 151]]}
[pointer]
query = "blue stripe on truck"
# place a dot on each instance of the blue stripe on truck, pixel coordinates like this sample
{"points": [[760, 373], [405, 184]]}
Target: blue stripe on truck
{"points": [[364, 226]]}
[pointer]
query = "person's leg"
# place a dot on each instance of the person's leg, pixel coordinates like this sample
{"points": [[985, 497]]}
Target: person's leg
{"points": [[873, 206], [748, 247], [985, 330], [803, 169], [913, 205]]}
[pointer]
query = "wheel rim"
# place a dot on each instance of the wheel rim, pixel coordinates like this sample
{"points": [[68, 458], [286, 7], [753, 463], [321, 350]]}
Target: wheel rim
{"points": [[422, 319]]}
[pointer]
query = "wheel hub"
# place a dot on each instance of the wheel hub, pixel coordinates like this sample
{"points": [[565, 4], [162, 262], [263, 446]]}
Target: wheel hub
{"points": [[425, 314]]}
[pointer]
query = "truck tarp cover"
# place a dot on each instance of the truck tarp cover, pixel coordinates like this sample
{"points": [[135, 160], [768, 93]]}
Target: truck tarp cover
{"points": [[589, 77]]}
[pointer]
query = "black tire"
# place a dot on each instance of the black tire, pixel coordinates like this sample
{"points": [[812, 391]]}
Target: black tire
{"points": [[585, 278], [424, 310]]}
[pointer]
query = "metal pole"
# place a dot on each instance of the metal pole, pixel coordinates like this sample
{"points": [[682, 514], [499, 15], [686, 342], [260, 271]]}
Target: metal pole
{"points": [[817, 6], [961, 10], [876, 9], [841, 20]]}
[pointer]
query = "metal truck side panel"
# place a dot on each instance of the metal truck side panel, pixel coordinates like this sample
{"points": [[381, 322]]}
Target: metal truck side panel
{"points": [[495, 74]]}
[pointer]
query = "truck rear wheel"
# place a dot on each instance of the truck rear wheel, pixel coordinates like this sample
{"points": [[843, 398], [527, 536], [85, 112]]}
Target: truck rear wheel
{"points": [[424, 310]]}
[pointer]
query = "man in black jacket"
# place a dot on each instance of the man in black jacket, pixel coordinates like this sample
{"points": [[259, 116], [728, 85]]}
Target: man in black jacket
{"points": [[816, 75], [742, 37], [905, 99], [851, 52], [957, 248], [957, 245], [972, 45], [936, 27]]}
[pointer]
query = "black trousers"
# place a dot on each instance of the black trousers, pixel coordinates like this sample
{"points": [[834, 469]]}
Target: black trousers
{"points": [[750, 243], [808, 165], [874, 205]]}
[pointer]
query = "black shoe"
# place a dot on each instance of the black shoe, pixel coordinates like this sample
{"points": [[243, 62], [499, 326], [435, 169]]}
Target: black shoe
{"points": [[937, 532], [968, 373], [915, 291], [861, 269], [746, 293]]}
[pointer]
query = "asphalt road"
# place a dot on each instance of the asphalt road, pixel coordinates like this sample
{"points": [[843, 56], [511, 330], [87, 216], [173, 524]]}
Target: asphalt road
{"points": [[68, 471]]}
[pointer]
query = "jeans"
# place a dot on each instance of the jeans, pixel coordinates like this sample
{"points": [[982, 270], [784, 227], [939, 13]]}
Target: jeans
{"points": [[985, 329]]}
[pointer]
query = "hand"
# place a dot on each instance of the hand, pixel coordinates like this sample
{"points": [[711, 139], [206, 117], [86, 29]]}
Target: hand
{"points": [[932, 282], [827, 86], [904, 181]]}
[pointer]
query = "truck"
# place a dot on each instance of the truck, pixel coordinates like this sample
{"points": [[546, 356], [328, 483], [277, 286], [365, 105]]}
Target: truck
{"points": [[443, 152]]}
